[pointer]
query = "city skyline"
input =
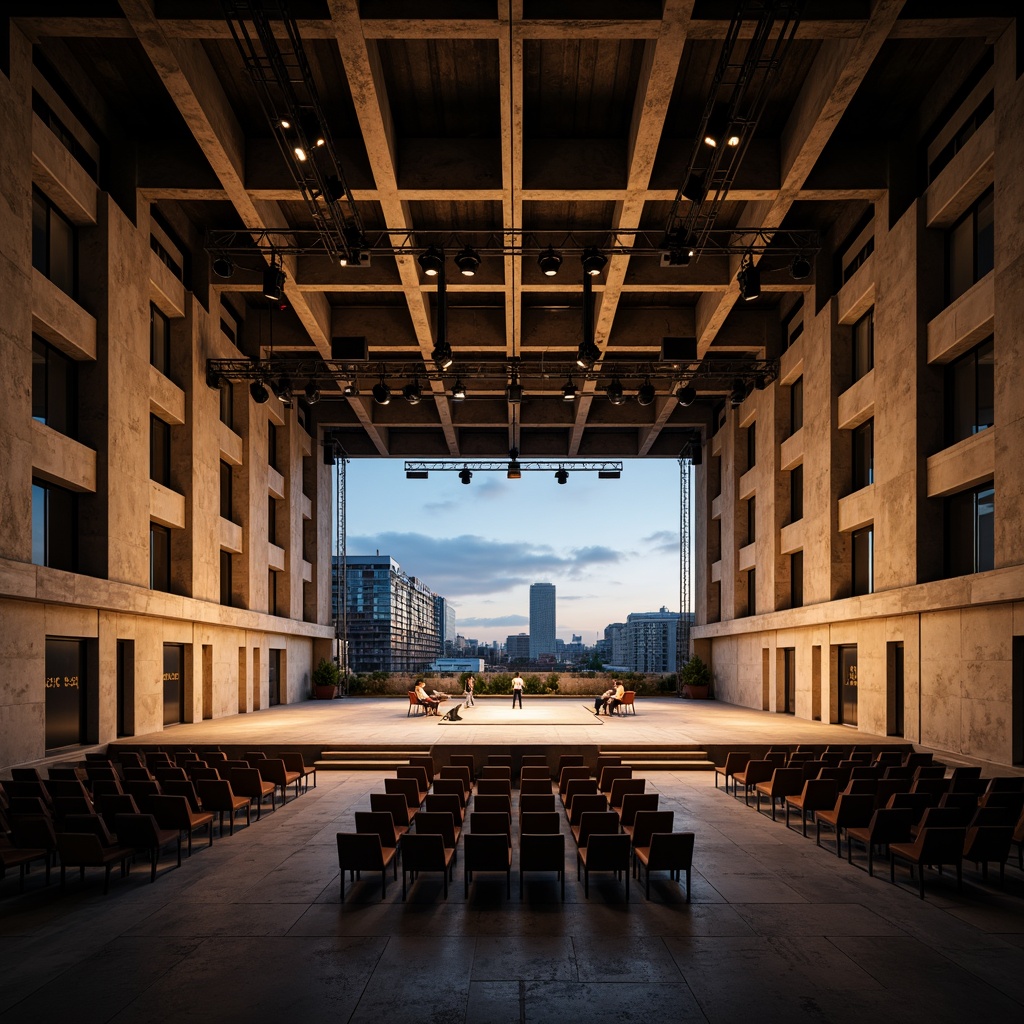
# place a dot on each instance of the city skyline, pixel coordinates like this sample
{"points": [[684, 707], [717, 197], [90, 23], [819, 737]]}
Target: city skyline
{"points": [[610, 547]]}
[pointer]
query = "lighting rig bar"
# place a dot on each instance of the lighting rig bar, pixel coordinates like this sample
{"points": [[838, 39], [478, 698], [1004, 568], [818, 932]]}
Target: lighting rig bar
{"points": [[736, 101], [626, 241], [287, 94], [501, 465]]}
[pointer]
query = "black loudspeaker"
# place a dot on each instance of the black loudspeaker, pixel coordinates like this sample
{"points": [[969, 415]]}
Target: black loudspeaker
{"points": [[452, 715], [679, 350], [351, 349]]}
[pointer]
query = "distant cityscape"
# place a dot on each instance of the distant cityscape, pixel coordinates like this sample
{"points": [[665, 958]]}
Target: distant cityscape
{"points": [[394, 622]]}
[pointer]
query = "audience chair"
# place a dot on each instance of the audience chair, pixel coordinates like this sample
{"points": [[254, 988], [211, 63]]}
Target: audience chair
{"points": [[916, 803], [426, 762], [446, 803], [143, 832], [214, 757], [467, 761], [587, 803], [577, 787], [603, 852], [133, 773], [735, 761], [493, 787], [934, 846], [272, 769], [887, 825], [384, 826], [942, 817], [540, 822], [536, 761], [536, 802], [110, 805], [985, 843], [32, 834], [668, 851], [783, 783], [606, 761], [495, 771], [460, 772], [917, 758], [936, 787], [451, 787], [21, 858], [627, 704], [414, 702], [363, 851], [418, 774], [491, 823], [219, 798], [620, 787], [185, 788], [395, 805], [817, 795], [425, 853], [753, 772], [632, 805], [535, 771], [249, 783], [504, 760], [542, 852], [646, 824], [852, 810], [568, 761], [294, 762], [534, 786], [493, 803], [409, 788], [174, 812], [439, 823], [485, 851], [570, 772], [84, 849], [610, 774], [1018, 841], [130, 759]]}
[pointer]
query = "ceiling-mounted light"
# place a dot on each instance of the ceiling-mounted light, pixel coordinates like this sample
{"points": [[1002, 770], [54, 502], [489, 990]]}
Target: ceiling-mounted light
{"points": [[680, 248], [749, 280], [223, 266], [468, 262], [431, 261], [614, 392], [561, 475], [282, 387], [801, 268], [593, 261], [259, 392], [465, 475], [273, 281], [737, 392], [514, 391], [695, 188], [608, 474], [412, 393], [549, 261], [645, 393], [442, 355], [686, 395], [569, 391], [719, 130], [515, 471], [587, 354], [351, 390], [284, 123], [300, 154], [312, 393], [458, 390], [381, 392]]}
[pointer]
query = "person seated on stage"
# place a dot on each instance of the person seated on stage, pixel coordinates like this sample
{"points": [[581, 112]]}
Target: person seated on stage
{"points": [[430, 703], [599, 702], [616, 699]]}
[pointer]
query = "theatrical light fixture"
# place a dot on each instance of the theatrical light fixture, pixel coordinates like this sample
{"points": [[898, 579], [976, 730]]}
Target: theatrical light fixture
{"points": [[468, 262], [273, 281], [719, 130], [645, 393], [282, 387], [569, 391], [416, 474], [801, 268], [749, 280], [412, 393], [284, 123], [587, 354], [695, 188], [465, 475], [515, 471], [561, 475], [549, 261], [381, 392], [614, 392], [442, 355], [312, 394], [737, 392], [259, 392], [514, 391], [223, 266], [593, 261], [686, 395], [351, 390], [300, 153], [432, 261], [458, 390]]}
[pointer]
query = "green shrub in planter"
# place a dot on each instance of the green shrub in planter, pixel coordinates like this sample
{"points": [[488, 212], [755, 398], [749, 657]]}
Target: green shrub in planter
{"points": [[325, 679], [696, 678]]}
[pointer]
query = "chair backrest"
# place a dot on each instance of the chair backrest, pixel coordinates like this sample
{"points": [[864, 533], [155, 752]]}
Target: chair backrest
{"points": [[1005, 784], [866, 771], [898, 771], [536, 771], [967, 771], [536, 803], [495, 787], [541, 851], [985, 816], [586, 803], [576, 787], [446, 803], [799, 756], [360, 851], [416, 772], [535, 785], [130, 759], [216, 794], [467, 761], [76, 848], [620, 787], [493, 804], [424, 761], [942, 845], [379, 822], [629, 697], [495, 771], [460, 772], [671, 850], [634, 803], [489, 823], [413, 699], [140, 831], [436, 823], [787, 781], [606, 761], [136, 773], [500, 759], [916, 758], [58, 771], [422, 852], [253, 755], [598, 823], [96, 771], [198, 774], [988, 842], [214, 757], [272, 769], [536, 760], [35, 831], [611, 773], [110, 805], [568, 761], [451, 787], [811, 768], [246, 782], [486, 851], [169, 771], [885, 789], [170, 811], [936, 787], [407, 787], [536, 822], [183, 787], [757, 771], [647, 823], [945, 817], [967, 801], [841, 776], [394, 803], [607, 852], [854, 810], [890, 825], [66, 789], [820, 794], [916, 803], [181, 756], [570, 772], [736, 761]]}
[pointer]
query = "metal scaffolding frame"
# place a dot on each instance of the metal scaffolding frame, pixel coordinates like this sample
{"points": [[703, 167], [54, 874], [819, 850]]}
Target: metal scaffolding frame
{"points": [[683, 638]]}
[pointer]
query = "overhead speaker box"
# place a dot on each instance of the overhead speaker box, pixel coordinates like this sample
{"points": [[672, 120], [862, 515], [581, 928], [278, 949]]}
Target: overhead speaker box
{"points": [[349, 350], [679, 350]]}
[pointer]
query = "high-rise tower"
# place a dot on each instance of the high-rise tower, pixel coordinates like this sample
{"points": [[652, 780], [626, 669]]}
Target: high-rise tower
{"points": [[542, 620]]}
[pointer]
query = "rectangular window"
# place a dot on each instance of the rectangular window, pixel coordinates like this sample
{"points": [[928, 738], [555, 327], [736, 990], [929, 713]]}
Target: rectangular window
{"points": [[225, 577], [864, 561], [796, 405], [751, 520], [864, 455], [159, 340], [796, 579], [159, 558], [970, 247], [54, 388], [54, 244], [970, 531], [271, 520], [796, 493], [793, 324], [227, 406], [54, 526], [864, 345], [272, 445], [751, 591], [226, 503], [970, 392], [272, 592], [159, 451], [752, 445]]}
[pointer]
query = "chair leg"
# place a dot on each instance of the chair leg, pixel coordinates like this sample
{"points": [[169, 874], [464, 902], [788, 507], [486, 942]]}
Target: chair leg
{"points": [[688, 885]]}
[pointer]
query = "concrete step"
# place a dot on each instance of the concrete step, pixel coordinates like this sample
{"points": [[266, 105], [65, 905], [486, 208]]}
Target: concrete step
{"points": [[377, 753], [339, 765], [664, 760]]}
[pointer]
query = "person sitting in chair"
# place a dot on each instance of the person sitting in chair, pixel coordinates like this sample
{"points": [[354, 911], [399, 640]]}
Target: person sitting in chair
{"points": [[599, 702], [430, 703], [616, 699]]}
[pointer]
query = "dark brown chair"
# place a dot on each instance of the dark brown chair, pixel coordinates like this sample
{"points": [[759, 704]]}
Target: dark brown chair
{"points": [[536, 760], [467, 761], [174, 812], [185, 788], [110, 805], [934, 846], [214, 757], [917, 758], [755, 771], [603, 851], [425, 853], [568, 761], [540, 822], [460, 772], [130, 759], [384, 825], [504, 760], [817, 795], [495, 771], [84, 849], [645, 824], [986, 843], [852, 810], [587, 803], [143, 832], [248, 782], [620, 787], [887, 825], [419, 775], [491, 823], [493, 787], [535, 772], [542, 852], [408, 788], [487, 852], [446, 803], [735, 761], [578, 787], [535, 786], [424, 761], [21, 858], [493, 803], [136, 773], [31, 834], [783, 783], [570, 772], [609, 774], [667, 851], [363, 851], [444, 823], [168, 773], [273, 769], [536, 802], [199, 774], [396, 805], [218, 798], [632, 805], [451, 787]]}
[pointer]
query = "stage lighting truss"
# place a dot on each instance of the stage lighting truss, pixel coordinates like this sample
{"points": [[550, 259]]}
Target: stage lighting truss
{"points": [[419, 469]]}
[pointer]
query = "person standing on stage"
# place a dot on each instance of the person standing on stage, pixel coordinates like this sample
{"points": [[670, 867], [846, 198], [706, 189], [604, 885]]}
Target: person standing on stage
{"points": [[470, 684], [517, 691]]}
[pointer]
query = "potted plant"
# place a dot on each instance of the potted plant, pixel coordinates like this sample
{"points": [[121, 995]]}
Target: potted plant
{"points": [[696, 679], [325, 680]]}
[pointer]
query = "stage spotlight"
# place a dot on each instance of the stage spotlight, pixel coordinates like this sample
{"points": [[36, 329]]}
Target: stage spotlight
{"points": [[549, 261], [695, 188], [515, 471], [468, 262], [801, 268], [593, 261], [381, 392], [749, 280], [300, 154], [561, 475], [312, 394], [282, 387], [412, 393], [608, 474], [719, 130], [645, 393], [737, 392], [458, 390], [614, 392], [432, 261], [514, 392], [465, 475], [351, 390], [259, 392], [223, 266], [686, 395], [587, 354], [442, 355], [284, 123], [273, 283], [569, 391]]}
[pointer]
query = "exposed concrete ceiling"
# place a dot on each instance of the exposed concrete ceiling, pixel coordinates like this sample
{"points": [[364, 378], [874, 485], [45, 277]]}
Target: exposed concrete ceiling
{"points": [[547, 117]]}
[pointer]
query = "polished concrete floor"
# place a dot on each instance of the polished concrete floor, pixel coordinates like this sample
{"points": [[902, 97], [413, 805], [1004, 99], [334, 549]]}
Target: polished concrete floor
{"points": [[254, 930]]}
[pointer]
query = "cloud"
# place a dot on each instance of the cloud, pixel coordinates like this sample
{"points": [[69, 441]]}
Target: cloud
{"points": [[596, 554], [502, 620], [663, 542]]}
